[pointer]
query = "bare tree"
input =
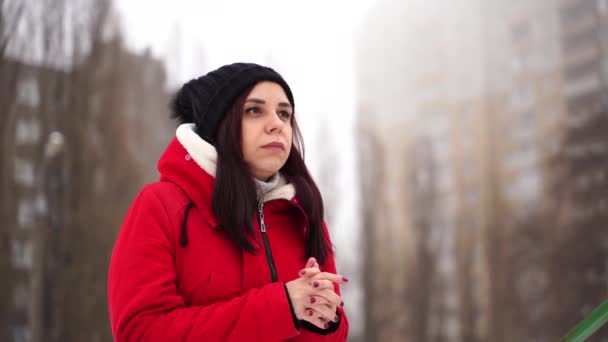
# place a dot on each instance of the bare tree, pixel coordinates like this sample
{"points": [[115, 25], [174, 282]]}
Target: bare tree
{"points": [[578, 251], [529, 261], [423, 269], [424, 304], [11, 13], [327, 174], [89, 88], [371, 166], [496, 235]]}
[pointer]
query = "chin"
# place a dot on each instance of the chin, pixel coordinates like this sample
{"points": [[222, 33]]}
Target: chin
{"points": [[270, 174], [274, 167], [264, 173]]}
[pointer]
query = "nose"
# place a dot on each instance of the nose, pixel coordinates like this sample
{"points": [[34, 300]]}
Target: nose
{"points": [[275, 124]]}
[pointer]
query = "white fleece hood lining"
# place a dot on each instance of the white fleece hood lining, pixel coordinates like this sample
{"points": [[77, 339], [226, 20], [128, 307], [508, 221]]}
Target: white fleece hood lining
{"points": [[205, 155]]}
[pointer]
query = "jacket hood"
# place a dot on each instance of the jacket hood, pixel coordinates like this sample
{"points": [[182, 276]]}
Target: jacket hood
{"points": [[191, 163]]}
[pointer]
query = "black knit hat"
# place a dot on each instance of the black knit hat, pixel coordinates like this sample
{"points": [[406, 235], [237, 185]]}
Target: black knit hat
{"points": [[204, 101]]}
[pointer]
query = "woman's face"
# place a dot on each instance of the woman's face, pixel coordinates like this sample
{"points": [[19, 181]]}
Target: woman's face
{"points": [[266, 129]]}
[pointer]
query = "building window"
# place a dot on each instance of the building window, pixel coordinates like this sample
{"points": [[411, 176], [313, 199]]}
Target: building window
{"points": [[581, 40], [99, 180], [27, 131], [470, 169], [96, 103], [443, 179], [520, 30], [516, 64], [574, 11], [526, 154], [21, 333], [21, 253], [521, 97], [41, 204], [26, 213], [22, 298], [27, 92], [471, 199], [441, 150], [24, 172], [526, 120], [582, 71], [525, 189], [602, 6]]}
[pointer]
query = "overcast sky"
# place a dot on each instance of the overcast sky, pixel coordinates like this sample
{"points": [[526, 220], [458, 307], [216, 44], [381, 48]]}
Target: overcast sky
{"points": [[195, 36], [308, 42]]}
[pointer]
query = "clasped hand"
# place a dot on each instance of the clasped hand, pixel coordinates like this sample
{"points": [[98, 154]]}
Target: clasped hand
{"points": [[313, 296]]}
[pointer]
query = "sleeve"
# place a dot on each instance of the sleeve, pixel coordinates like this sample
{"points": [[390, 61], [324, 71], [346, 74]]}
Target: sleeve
{"points": [[336, 331], [142, 294]]}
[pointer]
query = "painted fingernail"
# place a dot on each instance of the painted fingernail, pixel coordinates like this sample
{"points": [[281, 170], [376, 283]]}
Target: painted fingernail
{"points": [[312, 300], [326, 325], [342, 303], [302, 272], [336, 319], [345, 279], [315, 284], [309, 312]]}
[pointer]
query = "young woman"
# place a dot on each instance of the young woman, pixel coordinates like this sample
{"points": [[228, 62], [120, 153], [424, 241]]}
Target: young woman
{"points": [[230, 243]]}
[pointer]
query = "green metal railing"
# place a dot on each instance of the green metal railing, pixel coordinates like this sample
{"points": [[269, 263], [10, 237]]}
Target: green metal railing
{"points": [[589, 325]]}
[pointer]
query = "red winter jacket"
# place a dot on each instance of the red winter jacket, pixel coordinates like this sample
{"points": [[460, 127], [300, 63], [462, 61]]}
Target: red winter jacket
{"points": [[208, 290]]}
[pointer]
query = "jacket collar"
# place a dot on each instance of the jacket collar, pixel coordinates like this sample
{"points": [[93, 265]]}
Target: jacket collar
{"points": [[205, 156], [191, 163]]}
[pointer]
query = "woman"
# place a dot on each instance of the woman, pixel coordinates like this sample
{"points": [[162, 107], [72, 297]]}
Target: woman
{"points": [[230, 243]]}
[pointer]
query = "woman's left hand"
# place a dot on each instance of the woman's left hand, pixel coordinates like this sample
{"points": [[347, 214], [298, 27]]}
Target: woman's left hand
{"points": [[322, 305]]}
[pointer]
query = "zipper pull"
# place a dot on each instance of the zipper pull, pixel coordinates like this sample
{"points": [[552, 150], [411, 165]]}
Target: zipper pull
{"points": [[261, 216]]}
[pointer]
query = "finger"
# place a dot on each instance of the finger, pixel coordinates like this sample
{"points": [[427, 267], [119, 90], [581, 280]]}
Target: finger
{"points": [[329, 296], [321, 307], [311, 263], [321, 284], [324, 312], [309, 272], [318, 300], [336, 278], [314, 317]]}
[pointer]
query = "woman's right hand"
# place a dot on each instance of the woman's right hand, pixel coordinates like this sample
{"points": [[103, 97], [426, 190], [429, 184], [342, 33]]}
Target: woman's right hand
{"points": [[313, 297]]}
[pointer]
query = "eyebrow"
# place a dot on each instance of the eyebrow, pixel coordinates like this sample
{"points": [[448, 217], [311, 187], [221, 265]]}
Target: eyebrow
{"points": [[281, 104]]}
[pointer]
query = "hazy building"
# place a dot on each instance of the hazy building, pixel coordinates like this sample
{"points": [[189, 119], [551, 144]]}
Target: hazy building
{"points": [[480, 95], [34, 193], [28, 163], [584, 42], [457, 84], [419, 74]]}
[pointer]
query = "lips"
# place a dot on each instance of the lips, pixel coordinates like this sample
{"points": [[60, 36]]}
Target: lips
{"points": [[275, 144]]}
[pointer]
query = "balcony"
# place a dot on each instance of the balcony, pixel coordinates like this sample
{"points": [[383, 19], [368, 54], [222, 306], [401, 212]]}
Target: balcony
{"points": [[588, 84], [581, 56], [582, 23]]}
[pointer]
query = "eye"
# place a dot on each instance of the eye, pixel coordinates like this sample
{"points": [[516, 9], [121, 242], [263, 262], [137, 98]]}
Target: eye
{"points": [[253, 110], [284, 114]]}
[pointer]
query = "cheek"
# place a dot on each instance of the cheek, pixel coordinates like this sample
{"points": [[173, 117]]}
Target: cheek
{"points": [[247, 141], [289, 135]]}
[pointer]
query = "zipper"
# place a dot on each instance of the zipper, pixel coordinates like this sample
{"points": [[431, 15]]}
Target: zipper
{"points": [[273, 269]]}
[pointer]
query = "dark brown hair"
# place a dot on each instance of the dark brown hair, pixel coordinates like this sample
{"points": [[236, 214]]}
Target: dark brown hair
{"points": [[234, 195]]}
